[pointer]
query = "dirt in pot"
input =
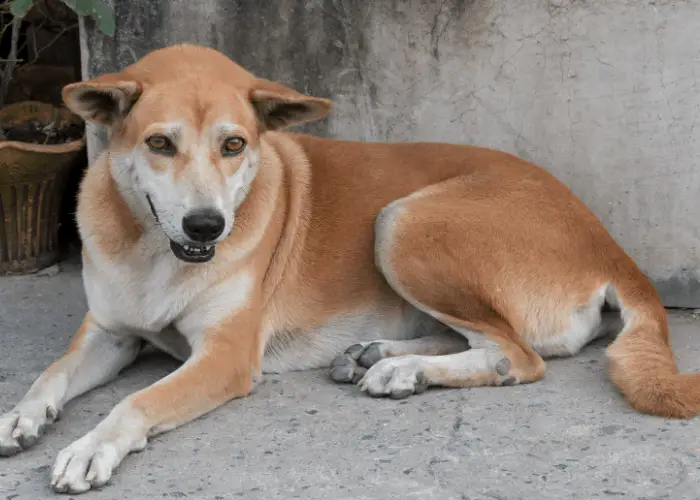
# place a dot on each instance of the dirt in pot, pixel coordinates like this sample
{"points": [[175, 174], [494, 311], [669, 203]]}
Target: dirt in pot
{"points": [[37, 132]]}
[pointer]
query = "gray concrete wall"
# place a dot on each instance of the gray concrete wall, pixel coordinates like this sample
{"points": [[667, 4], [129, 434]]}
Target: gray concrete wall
{"points": [[601, 93]]}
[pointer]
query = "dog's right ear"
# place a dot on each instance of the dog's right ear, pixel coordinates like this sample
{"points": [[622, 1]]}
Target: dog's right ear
{"points": [[104, 100]]}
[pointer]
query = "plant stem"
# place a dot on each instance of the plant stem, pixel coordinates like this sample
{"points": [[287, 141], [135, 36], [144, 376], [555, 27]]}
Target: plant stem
{"points": [[9, 66]]}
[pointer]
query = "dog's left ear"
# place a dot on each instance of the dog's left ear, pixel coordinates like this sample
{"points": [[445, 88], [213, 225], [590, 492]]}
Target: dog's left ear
{"points": [[278, 106]]}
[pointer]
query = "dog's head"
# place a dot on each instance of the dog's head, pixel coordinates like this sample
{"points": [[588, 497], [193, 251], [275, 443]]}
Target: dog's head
{"points": [[185, 128]]}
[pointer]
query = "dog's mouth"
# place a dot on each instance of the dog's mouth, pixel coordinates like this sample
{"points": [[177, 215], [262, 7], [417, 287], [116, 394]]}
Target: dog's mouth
{"points": [[192, 254]]}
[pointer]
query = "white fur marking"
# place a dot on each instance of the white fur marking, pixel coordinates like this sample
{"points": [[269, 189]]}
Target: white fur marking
{"points": [[586, 324]]}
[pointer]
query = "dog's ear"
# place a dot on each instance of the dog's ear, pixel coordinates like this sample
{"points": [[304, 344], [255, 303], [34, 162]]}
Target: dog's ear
{"points": [[278, 106], [103, 100]]}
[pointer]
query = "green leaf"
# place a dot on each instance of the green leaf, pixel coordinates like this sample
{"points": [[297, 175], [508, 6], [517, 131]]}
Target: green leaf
{"points": [[80, 7], [19, 8], [99, 10], [103, 15]]}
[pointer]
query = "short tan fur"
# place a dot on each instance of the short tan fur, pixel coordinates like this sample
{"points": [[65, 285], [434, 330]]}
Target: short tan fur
{"points": [[240, 248]]}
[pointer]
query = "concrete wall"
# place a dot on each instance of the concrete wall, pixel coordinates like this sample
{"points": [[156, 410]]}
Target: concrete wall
{"points": [[603, 93]]}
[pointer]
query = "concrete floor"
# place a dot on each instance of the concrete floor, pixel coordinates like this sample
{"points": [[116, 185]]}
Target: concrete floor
{"points": [[569, 436]]}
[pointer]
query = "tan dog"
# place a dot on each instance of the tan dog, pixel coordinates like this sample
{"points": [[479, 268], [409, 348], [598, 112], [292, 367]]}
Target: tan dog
{"points": [[241, 249]]}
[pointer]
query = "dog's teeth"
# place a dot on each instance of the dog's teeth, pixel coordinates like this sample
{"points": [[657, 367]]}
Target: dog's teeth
{"points": [[197, 250]]}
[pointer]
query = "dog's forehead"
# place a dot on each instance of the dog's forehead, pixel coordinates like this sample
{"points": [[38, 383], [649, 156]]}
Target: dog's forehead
{"points": [[189, 62], [198, 105]]}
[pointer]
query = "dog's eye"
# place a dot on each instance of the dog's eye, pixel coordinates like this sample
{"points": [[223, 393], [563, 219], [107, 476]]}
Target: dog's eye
{"points": [[160, 143], [233, 145]]}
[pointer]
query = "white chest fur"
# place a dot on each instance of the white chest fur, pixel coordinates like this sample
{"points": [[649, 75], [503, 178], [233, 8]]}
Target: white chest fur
{"points": [[147, 296]]}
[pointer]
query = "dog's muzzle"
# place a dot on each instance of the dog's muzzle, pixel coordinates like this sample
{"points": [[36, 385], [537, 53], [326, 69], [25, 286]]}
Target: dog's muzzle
{"points": [[202, 225]]}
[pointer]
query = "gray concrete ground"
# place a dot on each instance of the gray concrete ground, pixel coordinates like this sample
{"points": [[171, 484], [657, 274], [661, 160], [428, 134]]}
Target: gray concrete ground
{"points": [[300, 436]]}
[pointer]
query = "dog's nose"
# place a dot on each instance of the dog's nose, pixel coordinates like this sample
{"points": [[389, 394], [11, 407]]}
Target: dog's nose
{"points": [[203, 225]]}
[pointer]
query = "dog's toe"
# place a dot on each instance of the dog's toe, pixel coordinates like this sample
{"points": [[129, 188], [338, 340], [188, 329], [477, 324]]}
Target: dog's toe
{"points": [[343, 369], [371, 355], [355, 351]]}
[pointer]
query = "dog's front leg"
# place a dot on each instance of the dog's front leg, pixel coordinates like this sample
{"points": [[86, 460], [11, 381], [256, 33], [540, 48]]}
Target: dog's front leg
{"points": [[94, 357], [222, 366]]}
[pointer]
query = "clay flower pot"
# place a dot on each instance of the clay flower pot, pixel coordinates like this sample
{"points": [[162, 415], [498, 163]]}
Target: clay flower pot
{"points": [[32, 180]]}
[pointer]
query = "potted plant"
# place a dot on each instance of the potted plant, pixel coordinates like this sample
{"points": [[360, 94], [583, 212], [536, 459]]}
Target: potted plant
{"points": [[39, 143]]}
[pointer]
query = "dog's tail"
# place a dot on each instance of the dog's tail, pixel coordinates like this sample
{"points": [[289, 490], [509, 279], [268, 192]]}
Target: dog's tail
{"points": [[641, 360]]}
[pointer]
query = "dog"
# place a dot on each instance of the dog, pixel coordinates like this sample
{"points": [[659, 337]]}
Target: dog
{"points": [[241, 248]]}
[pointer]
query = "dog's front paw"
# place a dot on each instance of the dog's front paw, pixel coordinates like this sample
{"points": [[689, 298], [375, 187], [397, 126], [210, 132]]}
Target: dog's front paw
{"points": [[345, 369], [22, 427], [350, 366], [88, 463]]}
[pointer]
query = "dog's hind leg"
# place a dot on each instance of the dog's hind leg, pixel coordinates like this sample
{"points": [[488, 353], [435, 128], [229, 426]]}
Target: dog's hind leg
{"points": [[93, 358], [425, 253], [351, 365], [505, 362]]}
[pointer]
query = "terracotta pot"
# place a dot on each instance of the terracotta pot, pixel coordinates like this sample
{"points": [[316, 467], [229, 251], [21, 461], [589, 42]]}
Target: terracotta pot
{"points": [[32, 180]]}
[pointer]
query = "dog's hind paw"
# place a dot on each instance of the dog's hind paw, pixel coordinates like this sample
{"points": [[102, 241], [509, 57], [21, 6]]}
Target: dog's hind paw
{"points": [[395, 377]]}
